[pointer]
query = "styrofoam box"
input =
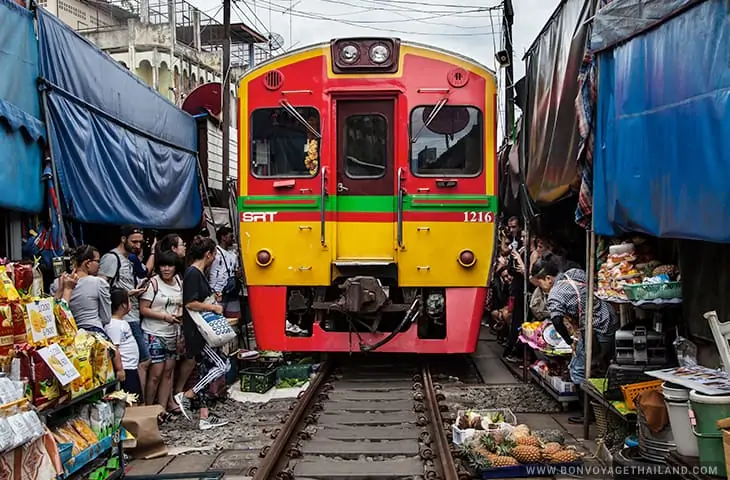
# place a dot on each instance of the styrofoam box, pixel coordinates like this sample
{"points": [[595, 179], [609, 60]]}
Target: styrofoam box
{"points": [[460, 436]]}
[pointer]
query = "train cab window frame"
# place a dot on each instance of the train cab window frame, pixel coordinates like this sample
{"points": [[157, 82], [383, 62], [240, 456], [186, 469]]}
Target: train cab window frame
{"points": [[346, 163], [451, 139], [260, 143]]}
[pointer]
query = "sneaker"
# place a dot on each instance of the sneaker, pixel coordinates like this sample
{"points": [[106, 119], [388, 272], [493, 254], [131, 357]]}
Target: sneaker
{"points": [[212, 422], [512, 359], [294, 329], [247, 354], [185, 405]]}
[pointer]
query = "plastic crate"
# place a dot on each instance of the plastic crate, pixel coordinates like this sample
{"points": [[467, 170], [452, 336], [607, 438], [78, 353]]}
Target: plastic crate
{"points": [[632, 391], [295, 371], [653, 291], [258, 379]]}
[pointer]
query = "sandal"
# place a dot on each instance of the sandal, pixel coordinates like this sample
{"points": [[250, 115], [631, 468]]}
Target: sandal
{"points": [[164, 418]]}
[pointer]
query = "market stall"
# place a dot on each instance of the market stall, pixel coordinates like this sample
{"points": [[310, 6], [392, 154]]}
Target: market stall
{"points": [[59, 397]]}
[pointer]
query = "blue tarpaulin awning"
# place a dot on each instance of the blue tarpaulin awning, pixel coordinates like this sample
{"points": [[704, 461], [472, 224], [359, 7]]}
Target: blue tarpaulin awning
{"points": [[124, 154], [662, 151], [21, 131]]}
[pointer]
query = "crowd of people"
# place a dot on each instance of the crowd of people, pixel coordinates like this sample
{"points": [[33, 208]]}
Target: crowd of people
{"points": [[144, 308], [555, 290]]}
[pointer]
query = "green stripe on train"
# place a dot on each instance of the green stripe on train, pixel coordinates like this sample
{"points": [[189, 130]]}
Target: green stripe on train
{"points": [[368, 203]]}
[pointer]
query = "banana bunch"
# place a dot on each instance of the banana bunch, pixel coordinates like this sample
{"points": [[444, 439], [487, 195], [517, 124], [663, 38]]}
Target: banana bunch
{"points": [[311, 160]]}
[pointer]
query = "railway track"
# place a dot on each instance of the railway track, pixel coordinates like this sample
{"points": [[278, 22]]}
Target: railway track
{"points": [[364, 419]]}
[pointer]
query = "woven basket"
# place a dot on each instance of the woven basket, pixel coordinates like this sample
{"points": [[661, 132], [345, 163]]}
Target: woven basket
{"points": [[599, 411]]}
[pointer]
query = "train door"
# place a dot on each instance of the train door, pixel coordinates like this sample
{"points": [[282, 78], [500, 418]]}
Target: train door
{"points": [[365, 181]]}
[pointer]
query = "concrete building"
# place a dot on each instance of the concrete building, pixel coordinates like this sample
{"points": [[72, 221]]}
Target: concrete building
{"points": [[171, 45]]}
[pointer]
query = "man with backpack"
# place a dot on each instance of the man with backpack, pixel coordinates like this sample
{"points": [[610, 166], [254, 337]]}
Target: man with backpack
{"points": [[225, 274], [118, 271]]}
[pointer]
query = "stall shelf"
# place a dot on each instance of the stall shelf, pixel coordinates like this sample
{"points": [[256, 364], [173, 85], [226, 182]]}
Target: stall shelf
{"points": [[528, 373], [595, 388]]}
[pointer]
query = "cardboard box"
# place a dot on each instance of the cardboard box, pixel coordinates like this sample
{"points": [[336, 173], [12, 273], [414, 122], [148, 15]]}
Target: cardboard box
{"points": [[724, 425]]}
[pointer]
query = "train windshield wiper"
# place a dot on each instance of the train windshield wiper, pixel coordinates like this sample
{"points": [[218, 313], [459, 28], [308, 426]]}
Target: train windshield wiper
{"points": [[436, 109], [291, 109]]}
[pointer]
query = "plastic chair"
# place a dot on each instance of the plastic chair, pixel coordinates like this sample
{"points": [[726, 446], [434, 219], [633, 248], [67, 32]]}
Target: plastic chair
{"points": [[721, 334]]}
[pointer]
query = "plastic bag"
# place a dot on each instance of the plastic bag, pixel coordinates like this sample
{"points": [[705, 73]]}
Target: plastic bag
{"points": [[65, 319], [8, 292], [686, 352]]}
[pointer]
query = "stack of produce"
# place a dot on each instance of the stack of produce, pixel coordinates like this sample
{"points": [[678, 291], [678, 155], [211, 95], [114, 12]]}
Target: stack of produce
{"points": [[532, 331], [618, 269], [518, 446]]}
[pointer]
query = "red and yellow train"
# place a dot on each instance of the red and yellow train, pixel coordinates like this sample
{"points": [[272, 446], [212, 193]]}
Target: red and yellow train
{"points": [[368, 197]]}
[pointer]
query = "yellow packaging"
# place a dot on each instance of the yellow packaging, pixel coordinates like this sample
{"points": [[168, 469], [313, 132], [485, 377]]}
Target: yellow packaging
{"points": [[65, 319], [80, 353], [8, 292], [102, 361]]}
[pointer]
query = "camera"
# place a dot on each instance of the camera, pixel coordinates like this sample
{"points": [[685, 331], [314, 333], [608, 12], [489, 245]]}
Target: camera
{"points": [[61, 265]]}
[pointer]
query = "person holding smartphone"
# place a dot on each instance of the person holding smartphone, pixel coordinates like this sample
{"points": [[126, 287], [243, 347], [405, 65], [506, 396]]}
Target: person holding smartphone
{"points": [[161, 309]]}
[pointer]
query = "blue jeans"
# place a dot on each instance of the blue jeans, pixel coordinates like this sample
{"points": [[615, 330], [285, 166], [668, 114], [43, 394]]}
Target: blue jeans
{"points": [[577, 365]]}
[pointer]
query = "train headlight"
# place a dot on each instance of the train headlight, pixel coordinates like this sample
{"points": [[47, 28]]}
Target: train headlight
{"points": [[264, 258], [349, 54], [467, 259], [379, 53]]}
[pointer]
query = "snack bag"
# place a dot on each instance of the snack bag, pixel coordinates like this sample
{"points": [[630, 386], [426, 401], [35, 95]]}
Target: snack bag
{"points": [[37, 288], [65, 319], [20, 322], [23, 278], [8, 292], [102, 361], [84, 430], [80, 353], [6, 332], [46, 387]]}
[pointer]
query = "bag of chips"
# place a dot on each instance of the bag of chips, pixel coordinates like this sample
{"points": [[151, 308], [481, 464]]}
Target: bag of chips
{"points": [[46, 388], [102, 361], [65, 319], [20, 323], [80, 354], [8, 293], [23, 278], [6, 332]]}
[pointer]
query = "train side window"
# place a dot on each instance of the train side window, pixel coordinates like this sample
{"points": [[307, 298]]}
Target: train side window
{"points": [[365, 145], [452, 143], [282, 146]]}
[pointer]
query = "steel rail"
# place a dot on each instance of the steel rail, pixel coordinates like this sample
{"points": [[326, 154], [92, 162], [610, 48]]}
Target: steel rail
{"points": [[269, 465], [443, 452]]}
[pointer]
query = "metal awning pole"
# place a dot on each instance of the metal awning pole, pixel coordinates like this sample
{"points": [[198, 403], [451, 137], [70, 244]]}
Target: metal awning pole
{"points": [[588, 336]]}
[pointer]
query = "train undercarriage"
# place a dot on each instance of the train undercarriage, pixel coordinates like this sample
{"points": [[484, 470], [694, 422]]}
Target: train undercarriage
{"points": [[368, 304]]}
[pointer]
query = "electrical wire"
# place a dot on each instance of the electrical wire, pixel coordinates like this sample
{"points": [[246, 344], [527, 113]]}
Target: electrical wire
{"points": [[317, 16]]}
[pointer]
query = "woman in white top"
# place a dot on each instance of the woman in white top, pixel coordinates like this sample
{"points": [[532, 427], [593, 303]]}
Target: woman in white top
{"points": [[161, 309]]}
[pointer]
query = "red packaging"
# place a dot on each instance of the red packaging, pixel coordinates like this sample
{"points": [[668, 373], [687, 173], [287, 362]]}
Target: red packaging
{"points": [[46, 388], [20, 329], [23, 276], [6, 331]]}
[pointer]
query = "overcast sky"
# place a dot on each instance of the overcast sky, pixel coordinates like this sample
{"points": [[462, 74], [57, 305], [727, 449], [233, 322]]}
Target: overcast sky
{"points": [[464, 26]]}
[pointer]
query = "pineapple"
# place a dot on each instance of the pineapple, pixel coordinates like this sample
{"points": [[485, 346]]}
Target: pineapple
{"points": [[488, 443], [564, 456], [527, 454], [505, 448], [500, 461], [474, 457], [550, 449], [530, 441]]}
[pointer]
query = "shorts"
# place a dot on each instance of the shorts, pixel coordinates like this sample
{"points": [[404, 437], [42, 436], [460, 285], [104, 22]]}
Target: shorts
{"points": [[140, 337], [131, 383], [162, 348]]}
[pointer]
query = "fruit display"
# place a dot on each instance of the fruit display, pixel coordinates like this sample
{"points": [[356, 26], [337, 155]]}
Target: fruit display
{"points": [[631, 264], [488, 450]]}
